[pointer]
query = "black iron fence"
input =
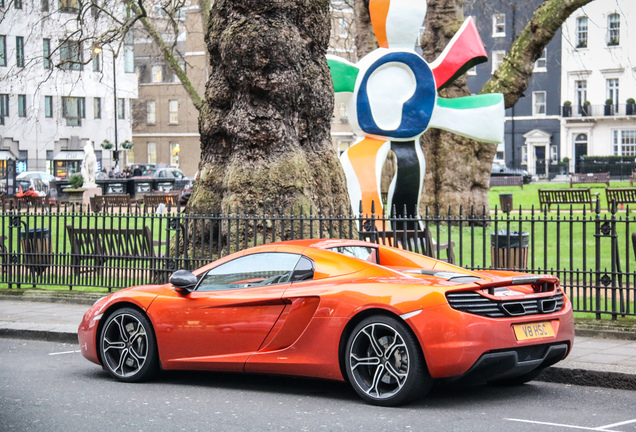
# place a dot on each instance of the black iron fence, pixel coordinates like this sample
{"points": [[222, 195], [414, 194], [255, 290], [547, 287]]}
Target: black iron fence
{"points": [[593, 253]]}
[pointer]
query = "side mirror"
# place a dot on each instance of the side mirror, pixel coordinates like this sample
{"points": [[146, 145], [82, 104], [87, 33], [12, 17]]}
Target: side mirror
{"points": [[183, 281]]}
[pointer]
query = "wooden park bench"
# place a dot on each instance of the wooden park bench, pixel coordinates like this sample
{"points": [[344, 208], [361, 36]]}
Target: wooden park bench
{"points": [[590, 178], [152, 201], [620, 196], [95, 247], [566, 196], [419, 241], [506, 181], [101, 202]]}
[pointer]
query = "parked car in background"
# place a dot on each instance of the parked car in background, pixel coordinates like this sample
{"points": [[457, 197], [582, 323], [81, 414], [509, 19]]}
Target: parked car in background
{"points": [[500, 170], [38, 185], [28, 175]]}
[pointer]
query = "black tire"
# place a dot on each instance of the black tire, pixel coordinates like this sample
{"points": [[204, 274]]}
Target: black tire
{"points": [[128, 347], [395, 372]]}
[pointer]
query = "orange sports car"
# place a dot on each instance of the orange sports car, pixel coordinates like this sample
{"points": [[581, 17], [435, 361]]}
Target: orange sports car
{"points": [[386, 320]]}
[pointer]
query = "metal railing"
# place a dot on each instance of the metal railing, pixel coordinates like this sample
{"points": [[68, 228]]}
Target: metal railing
{"points": [[592, 253]]}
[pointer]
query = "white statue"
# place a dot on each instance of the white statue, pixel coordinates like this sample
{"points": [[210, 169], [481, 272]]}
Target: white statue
{"points": [[89, 166]]}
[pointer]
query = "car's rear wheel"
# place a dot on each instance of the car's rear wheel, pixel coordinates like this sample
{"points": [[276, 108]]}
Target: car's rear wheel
{"points": [[384, 362], [127, 346]]}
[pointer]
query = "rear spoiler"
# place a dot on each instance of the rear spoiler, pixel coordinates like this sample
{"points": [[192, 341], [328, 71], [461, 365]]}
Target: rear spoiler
{"points": [[540, 283]]}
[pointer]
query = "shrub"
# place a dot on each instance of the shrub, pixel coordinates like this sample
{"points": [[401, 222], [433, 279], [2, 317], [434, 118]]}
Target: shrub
{"points": [[76, 181]]}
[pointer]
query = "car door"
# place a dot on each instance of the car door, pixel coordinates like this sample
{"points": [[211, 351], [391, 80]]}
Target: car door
{"points": [[227, 317]]}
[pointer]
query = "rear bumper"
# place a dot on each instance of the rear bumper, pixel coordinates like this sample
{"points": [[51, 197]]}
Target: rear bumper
{"points": [[457, 344]]}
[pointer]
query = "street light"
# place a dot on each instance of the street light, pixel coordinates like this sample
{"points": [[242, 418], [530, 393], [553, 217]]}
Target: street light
{"points": [[97, 50]]}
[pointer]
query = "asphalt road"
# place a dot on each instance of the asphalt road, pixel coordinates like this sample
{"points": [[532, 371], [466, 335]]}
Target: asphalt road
{"points": [[48, 386]]}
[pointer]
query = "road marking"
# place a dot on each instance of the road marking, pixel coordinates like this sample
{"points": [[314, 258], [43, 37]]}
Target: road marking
{"points": [[618, 424], [65, 352], [600, 428]]}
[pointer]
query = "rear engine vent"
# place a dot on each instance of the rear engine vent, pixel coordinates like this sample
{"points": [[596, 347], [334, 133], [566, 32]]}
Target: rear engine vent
{"points": [[474, 303]]}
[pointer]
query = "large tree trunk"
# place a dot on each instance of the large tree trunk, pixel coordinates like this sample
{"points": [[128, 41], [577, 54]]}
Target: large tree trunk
{"points": [[265, 123], [457, 168]]}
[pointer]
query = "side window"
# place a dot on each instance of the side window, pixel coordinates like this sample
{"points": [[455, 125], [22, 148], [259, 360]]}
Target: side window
{"points": [[304, 270], [250, 271]]}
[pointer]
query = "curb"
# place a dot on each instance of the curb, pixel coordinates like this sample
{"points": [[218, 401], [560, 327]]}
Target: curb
{"points": [[41, 335], [588, 378]]}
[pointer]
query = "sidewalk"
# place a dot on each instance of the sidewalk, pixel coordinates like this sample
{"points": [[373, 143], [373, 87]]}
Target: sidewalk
{"points": [[594, 361]]}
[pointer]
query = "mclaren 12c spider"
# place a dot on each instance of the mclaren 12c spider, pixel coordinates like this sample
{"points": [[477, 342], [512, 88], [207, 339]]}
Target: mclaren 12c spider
{"points": [[386, 320]]}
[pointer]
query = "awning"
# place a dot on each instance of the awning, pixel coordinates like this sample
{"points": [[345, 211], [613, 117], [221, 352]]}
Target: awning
{"points": [[5, 155], [70, 155]]}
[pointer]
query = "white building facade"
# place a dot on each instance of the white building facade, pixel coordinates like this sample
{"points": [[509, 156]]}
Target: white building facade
{"points": [[598, 81], [55, 92]]}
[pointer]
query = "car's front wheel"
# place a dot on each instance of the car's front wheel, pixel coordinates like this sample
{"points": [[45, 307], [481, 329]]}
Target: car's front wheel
{"points": [[384, 362], [127, 346]]}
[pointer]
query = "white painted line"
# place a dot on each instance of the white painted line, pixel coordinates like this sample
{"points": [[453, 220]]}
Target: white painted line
{"points": [[618, 424], [562, 425], [65, 352]]}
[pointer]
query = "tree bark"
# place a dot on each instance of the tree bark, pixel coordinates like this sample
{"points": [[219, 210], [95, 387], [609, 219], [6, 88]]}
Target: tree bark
{"points": [[365, 38], [265, 123]]}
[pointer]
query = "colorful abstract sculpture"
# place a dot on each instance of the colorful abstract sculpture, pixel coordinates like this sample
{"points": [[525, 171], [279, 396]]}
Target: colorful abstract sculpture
{"points": [[391, 99]]}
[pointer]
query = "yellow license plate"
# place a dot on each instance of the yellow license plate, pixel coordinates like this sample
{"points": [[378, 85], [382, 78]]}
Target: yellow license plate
{"points": [[533, 331]]}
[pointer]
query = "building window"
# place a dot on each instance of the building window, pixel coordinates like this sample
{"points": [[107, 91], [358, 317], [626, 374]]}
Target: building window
{"points": [[524, 155], [17, 4], [343, 113], [581, 94], [45, 5], [19, 51], [46, 54], [48, 106], [73, 110], [129, 55], [71, 55], [4, 106], [554, 154], [157, 74], [343, 27], [625, 142], [97, 62], [174, 154], [472, 71], [612, 91], [3, 50], [130, 156], [152, 153], [613, 30], [69, 6], [22, 105], [151, 116], [538, 103], [173, 107], [497, 59], [499, 25], [581, 32], [97, 107], [121, 108], [541, 65]]}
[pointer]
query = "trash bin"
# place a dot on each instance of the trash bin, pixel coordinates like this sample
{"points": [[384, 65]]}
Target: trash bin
{"points": [[36, 249], [514, 245], [505, 202]]}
